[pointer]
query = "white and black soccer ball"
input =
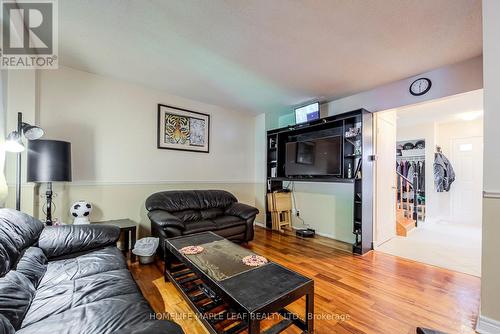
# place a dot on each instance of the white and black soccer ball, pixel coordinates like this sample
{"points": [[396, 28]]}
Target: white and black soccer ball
{"points": [[81, 211]]}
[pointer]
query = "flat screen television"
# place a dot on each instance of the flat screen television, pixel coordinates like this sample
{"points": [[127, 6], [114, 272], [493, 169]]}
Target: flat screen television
{"points": [[314, 157], [307, 113]]}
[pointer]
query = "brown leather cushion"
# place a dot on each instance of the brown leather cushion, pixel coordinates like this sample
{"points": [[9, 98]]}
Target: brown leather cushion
{"points": [[227, 221], [200, 226]]}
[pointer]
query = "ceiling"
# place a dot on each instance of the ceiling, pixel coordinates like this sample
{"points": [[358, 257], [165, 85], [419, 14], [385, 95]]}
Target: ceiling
{"points": [[260, 55], [463, 107]]}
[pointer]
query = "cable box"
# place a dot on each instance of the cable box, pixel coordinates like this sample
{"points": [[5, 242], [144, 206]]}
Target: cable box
{"points": [[305, 233]]}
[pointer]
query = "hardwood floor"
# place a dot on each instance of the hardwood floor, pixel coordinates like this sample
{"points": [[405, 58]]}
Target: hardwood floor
{"points": [[375, 293]]}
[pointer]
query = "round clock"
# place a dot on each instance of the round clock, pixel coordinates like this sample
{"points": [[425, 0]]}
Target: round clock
{"points": [[420, 86]]}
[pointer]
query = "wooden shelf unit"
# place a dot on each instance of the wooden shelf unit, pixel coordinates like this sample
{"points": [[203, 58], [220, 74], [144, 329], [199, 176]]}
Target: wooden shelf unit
{"points": [[363, 188]]}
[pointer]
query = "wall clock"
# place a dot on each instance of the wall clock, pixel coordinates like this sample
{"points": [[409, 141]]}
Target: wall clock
{"points": [[420, 86]]}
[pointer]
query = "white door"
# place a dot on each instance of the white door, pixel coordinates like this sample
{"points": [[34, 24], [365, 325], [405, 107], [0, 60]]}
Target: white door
{"points": [[385, 174], [466, 191]]}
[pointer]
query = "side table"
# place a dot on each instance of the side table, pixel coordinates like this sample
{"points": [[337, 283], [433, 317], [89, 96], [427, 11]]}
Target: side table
{"points": [[129, 229]]}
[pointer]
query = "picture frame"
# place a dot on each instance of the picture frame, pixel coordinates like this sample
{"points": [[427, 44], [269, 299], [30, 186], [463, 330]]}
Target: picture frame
{"points": [[182, 129]]}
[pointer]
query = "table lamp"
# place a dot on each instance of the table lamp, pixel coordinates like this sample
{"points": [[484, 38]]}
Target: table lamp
{"points": [[49, 161]]}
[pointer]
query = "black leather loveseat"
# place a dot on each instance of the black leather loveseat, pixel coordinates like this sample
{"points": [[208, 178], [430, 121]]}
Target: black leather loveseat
{"points": [[68, 279], [175, 213]]}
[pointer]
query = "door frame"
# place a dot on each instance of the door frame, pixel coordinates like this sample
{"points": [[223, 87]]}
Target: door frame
{"points": [[380, 115]]}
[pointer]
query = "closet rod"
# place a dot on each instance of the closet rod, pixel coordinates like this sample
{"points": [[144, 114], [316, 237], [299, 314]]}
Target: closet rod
{"points": [[414, 158]]}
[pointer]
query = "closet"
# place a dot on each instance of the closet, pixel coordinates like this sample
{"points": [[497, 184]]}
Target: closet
{"points": [[410, 178]]}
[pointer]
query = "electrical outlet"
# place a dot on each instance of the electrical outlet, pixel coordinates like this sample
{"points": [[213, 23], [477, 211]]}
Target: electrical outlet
{"points": [[297, 213]]}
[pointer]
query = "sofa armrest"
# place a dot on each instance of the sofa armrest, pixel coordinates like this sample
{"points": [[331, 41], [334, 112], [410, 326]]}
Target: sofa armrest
{"points": [[62, 240], [164, 218], [242, 211]]}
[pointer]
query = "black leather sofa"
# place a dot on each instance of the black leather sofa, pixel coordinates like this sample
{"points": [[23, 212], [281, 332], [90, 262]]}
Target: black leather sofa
{"points": [[68, 279], [182, 212]]}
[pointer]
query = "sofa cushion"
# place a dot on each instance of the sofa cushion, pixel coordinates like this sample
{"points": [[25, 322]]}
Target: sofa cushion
{"points": [[188, 215], [102, 317], [33, 265], [100, 260], [228, 221], [63, 240], [53, 299], [17, 232], [16, 293], [90, 293], [6, 326], [179, 200], [211, 213], [200, 226], [232, 233]]}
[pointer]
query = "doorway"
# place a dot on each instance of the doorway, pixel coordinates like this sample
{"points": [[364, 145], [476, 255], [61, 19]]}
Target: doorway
{"points": [[467, 154], [427, 222]]}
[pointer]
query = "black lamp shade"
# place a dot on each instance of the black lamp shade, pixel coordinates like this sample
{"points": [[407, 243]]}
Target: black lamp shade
{"points": [[49, 161]]}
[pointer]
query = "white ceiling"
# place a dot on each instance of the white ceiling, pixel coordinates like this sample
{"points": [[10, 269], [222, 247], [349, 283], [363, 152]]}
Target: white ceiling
{"points": [[462, 107], [261, 55]]}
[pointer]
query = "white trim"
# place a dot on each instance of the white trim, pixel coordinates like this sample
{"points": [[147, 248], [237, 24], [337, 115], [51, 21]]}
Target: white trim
{"points": [[119, 183], [260, 224], [491, 194], [23, 185], [326, 235], [487, 325]]}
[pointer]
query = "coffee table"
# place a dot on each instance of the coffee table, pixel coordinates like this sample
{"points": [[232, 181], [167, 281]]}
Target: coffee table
{"points": [[229, 296]]}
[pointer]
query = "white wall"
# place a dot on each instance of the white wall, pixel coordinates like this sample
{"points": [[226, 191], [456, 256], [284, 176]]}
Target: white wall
{"points": [[260, 167], [448, 80], [3, 134], [112, 126], [21, 97], [489, 321], [326, 207]]}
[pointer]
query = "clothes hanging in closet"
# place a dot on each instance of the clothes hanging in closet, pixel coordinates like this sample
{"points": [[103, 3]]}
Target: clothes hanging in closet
{"points": [[421, 176], [412, 170]]}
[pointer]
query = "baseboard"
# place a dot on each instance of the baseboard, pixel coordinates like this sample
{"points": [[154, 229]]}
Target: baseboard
{"points": [[259, 224], [487, 325]]}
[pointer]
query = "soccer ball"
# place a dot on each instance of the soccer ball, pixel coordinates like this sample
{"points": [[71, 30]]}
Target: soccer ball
{"points": [[81, 212]]}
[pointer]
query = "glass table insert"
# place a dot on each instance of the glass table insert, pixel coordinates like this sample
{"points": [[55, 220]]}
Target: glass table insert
{"points": [[221, 259]]}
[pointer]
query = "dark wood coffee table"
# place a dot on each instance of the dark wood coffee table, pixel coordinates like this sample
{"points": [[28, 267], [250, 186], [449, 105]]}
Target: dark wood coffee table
{"points": [[229, 296]]}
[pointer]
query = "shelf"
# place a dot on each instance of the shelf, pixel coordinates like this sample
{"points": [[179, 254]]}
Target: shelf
{"points": [[312, 179], [361, 144]]}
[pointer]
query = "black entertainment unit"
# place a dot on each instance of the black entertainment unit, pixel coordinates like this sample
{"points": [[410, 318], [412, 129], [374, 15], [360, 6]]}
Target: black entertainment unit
{"points": [[337, 149]]}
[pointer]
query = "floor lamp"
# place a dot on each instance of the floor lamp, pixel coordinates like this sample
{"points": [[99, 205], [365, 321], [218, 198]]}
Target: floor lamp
{"points": [[49, 161], [15, 144]]}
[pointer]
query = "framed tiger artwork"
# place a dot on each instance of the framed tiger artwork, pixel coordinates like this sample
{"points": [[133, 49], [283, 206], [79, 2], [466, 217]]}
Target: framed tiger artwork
{"points": [[181, 129]]}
